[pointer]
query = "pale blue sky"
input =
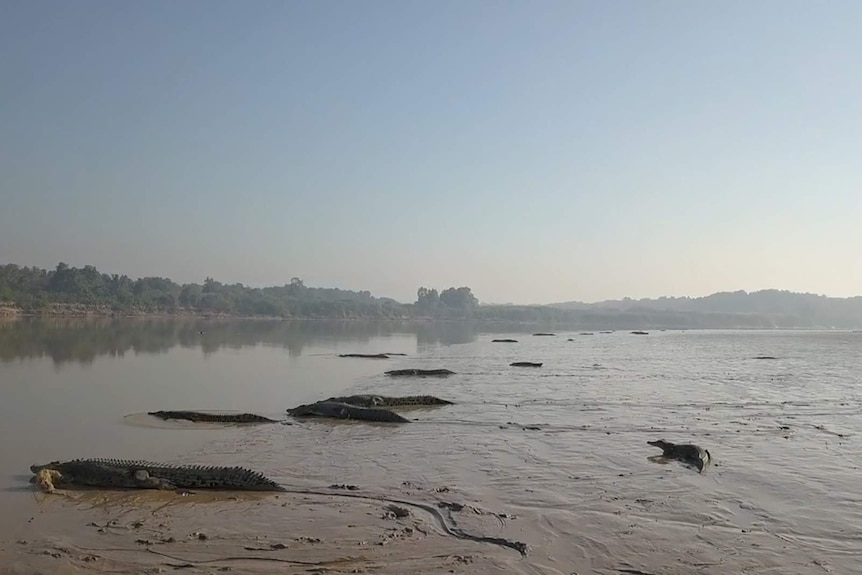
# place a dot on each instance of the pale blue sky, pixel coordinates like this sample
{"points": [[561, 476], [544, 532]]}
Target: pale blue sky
{"points": [[535, 151]]}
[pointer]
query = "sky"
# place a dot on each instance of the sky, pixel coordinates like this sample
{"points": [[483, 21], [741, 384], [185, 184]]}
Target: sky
{"points": [[535, 151]]}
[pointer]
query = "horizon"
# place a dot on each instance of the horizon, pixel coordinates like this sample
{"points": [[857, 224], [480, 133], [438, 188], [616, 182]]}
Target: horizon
{"points": [[440, 288], [548, 152]]}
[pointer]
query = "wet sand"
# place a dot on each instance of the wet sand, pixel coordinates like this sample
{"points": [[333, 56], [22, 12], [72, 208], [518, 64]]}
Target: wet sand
{"points": [[85, 532], [150, 531]]}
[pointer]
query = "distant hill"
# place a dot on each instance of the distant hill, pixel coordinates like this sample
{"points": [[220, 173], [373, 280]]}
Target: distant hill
{"points": [[780, 308]]}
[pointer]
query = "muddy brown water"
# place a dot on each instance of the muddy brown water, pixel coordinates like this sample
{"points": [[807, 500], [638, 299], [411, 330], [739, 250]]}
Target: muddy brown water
{"points": [[555, 457]]}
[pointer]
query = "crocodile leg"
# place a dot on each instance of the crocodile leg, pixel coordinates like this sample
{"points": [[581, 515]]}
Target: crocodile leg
{"points": [[147, 481]]}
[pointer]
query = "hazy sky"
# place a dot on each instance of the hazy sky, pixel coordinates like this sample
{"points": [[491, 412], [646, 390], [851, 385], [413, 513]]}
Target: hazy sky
{"points": [[535, 151]]}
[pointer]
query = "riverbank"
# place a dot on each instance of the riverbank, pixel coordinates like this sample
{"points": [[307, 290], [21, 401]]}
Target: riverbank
{"points": [[75, 310], [582, 321]]}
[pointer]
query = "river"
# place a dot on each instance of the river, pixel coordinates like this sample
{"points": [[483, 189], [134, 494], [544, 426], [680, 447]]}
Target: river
{"points": [[554, 457]]}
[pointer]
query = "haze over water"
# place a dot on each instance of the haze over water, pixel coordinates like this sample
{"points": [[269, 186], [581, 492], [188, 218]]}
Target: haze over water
{"points": [[561, 449]]}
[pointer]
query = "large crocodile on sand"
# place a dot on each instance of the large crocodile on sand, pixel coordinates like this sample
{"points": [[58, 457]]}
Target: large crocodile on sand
{"points": [[685, 452], [121, 473], [198, 416], [339, 410], [368, 400]]}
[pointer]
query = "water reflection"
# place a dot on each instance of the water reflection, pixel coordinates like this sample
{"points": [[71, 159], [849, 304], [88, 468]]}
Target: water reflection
{"points": [[82, 340]]}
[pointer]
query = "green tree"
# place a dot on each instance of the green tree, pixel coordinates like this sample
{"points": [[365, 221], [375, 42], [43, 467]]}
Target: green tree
{"points": [[461, 298], [427, 299]]}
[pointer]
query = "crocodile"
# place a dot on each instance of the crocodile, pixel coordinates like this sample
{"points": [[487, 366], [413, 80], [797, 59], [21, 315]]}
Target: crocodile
{"points": [[389, 401], [138, 474], [366, 355], [396, 372], [504, 340], [685, 452], [525, 364], [198, 416], [94, 474], [339, 410]]}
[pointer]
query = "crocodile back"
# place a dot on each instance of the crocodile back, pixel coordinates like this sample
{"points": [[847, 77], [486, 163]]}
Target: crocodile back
{"points": [[213, 417], [346, 411], [187, 476], [389, 401]]}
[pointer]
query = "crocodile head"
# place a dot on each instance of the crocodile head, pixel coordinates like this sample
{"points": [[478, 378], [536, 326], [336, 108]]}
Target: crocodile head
{"points": [[661, 444], [35, 468], [702, 462]]}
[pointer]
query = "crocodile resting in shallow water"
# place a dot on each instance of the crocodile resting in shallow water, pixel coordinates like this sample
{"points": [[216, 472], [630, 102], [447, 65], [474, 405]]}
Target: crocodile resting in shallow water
{"points": [[121, 473], [198, 416], [685, 452], [368, 400], [339, 410], [419, 372]]}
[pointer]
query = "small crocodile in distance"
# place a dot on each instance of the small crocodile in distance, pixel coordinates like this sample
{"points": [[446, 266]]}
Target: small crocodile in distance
{"points": [[198, 416], [504, 340], [367, 400], [685, 452], [121, 473], [365, 355], [639, 332], [544, 334], [339, 410], [525, 364], [419, 372]]}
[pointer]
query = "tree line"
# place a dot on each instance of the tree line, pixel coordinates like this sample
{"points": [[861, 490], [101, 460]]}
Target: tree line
{"points": [[34, 290]]}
